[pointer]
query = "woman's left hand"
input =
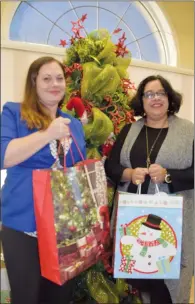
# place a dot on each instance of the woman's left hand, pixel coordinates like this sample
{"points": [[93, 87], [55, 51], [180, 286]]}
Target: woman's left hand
{"points": [[157, 173]]}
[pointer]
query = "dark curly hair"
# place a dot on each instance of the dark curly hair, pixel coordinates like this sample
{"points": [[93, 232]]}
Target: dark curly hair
{"points": [[174, 98]]}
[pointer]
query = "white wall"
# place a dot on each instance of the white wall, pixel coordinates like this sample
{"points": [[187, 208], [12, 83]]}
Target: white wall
{"points": [[183, 83], [16, 58]]}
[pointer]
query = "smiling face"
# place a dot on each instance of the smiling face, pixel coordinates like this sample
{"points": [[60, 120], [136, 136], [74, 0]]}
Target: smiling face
{"points": [[50, 84], [148, 234], [155, 100]]}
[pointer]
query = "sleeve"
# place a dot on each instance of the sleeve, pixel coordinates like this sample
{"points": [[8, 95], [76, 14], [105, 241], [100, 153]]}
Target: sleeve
{"points": [[8, 129], [182, 179], [113, 168]]}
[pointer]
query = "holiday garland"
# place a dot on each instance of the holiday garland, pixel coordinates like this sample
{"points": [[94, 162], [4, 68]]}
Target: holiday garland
{"points": [[99, 91]]}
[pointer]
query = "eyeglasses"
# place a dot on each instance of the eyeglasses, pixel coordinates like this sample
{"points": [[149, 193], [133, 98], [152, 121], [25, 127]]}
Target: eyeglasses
{"points": [[151, 95]]}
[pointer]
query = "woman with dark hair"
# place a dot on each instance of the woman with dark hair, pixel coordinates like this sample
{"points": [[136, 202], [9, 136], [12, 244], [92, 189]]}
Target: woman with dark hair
{"points": [[158, 148], [174, 98], [30, 134]]}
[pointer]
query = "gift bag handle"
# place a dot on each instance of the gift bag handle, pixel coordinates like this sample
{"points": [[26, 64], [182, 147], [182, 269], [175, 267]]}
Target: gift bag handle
{"points": [[157, 189], [139, 187], [71, 153]]}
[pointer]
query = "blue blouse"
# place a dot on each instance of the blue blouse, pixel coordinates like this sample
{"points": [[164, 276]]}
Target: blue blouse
{"points": [[17, 192]]}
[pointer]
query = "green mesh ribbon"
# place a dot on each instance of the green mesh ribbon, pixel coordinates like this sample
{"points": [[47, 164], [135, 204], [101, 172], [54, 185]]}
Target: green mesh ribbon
{"points": [[107, 55], [93, 153], [102, 75], [99, 35], [103, 290], [98, 80], [122, 65], [98, 130]]}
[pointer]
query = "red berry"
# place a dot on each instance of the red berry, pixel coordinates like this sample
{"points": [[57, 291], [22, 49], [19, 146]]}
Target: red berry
{"points": [[85, 206], [72, 228]]}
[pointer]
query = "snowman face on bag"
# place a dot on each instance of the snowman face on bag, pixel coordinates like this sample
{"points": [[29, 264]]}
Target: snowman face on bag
{"points": [[148, 234]]}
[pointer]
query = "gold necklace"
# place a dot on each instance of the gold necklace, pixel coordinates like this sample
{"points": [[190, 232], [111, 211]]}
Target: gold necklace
{"points": [[148, 161]]}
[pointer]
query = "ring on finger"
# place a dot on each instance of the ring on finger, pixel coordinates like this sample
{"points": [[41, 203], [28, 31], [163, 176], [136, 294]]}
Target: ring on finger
{"points": [[138, 181]]}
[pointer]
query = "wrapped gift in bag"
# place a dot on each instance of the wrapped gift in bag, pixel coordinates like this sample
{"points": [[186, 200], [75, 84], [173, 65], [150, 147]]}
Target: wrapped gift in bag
{"points": [[163, 265], [72, 218], [148, 236]]}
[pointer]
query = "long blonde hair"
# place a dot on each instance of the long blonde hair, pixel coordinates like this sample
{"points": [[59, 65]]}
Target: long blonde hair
{"points": [[32, 111]]}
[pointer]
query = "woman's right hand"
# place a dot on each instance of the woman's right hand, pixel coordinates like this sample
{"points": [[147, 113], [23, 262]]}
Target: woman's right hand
{"points": [[138, 175], [58, 128], [20, 149]]}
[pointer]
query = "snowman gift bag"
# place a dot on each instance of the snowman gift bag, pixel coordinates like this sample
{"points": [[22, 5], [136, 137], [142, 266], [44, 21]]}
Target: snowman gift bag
{"points": [[148, 236]]}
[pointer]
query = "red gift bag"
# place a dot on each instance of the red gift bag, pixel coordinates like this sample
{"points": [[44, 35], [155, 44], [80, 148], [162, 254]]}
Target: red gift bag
{"points": [[71, 211]]}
